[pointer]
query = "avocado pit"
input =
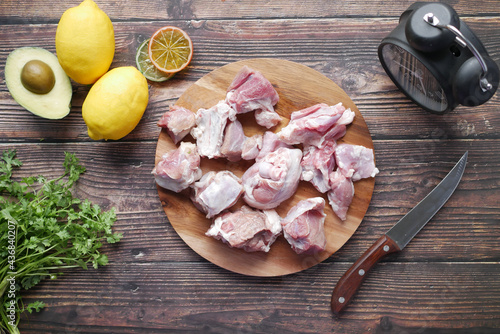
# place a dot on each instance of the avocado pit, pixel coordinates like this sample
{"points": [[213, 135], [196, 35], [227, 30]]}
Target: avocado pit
{"points": [[37, 77]]}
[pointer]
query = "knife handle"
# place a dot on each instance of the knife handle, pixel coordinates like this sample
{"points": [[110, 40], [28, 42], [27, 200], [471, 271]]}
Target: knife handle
{"points": [[350, 282]]}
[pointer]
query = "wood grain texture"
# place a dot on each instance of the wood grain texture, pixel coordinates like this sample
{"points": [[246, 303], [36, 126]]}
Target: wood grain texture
{"points": [[345, 53], [445, 280], [163, 297], [466, 229], [298, 87], [120, 10], [453, 259]]}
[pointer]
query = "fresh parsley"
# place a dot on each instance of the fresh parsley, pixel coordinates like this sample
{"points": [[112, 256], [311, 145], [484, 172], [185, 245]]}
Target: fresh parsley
{"points": [[44, 229]]}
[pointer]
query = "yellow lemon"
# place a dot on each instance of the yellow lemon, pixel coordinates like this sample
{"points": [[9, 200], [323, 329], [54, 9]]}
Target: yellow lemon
{"points": [[85, 42], [115, 103]]}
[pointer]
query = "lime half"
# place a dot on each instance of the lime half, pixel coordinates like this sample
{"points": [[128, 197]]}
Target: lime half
{"points": [[146, 67]]}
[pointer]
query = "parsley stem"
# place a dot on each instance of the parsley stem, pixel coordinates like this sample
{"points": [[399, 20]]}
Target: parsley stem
{"points": [[53, 229]]}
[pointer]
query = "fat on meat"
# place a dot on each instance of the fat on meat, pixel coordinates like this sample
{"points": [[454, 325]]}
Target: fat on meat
{"points": [[251, 147], [339, 129], [209, 129], [249, 229], [251, 91], [341, 194], [272, 179], [270, 143], [316, 125], [234, 138], [178, 122], [355, 161], [304, 226], [267, 118], [216, 192], [178, 168], [317, 164]]}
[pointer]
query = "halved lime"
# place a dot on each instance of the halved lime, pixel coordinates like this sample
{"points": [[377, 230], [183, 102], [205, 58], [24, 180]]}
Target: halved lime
{"points": [[146, 67]]}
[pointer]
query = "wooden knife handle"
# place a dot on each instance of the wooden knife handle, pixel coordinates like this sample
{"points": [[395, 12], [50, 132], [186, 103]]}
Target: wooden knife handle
{"points": [[350, 282]]}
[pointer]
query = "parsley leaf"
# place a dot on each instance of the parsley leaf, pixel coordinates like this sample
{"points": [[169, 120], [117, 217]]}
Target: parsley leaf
{"points": [[37, 306], [44, 229]]}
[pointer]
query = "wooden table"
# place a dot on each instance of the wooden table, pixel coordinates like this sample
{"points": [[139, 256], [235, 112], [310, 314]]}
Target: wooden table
{"points": [[446, 281]]}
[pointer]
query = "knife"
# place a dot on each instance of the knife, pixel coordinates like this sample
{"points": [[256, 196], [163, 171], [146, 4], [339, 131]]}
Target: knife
{"points": [[397, 237]]}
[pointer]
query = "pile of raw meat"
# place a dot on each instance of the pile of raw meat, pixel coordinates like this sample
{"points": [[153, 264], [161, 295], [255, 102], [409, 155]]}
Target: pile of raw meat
{"points": [[274, 177]]}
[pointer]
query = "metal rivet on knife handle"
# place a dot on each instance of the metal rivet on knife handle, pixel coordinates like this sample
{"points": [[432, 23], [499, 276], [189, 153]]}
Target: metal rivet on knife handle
{"points": [[352, 279]]}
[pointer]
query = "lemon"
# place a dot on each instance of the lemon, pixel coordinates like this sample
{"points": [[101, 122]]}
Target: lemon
{"points": [[85, 42], [115, 103]]}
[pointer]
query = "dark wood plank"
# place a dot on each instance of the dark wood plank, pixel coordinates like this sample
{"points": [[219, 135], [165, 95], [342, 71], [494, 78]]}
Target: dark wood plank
{"points": [[19, 12], [344, 52], [466, 229], [194, 297], [409, 170]]}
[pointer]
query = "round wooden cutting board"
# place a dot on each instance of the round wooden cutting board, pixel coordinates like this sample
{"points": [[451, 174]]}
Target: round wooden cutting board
{"points": [[298, 87]]}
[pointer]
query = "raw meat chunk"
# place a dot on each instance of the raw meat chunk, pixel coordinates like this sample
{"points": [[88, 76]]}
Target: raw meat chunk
{"points": [[178, 168], [259, 146], [340, 128], [272, 179], [270, 143], [267, 118], [316, 125], [341, 194], [355, 161], [178, 122], [251, 230], [317, 164], [251, 147], [234, 137], [216, 191], [209, 130], [251, 91], [304, 226], [347, 117]]}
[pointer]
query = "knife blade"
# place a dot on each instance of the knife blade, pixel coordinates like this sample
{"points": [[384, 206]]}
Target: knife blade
{"points": [[397, 237]]}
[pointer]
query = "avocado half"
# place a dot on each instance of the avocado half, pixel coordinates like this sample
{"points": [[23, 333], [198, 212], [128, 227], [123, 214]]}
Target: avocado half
{"points": [[56, 103]]}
